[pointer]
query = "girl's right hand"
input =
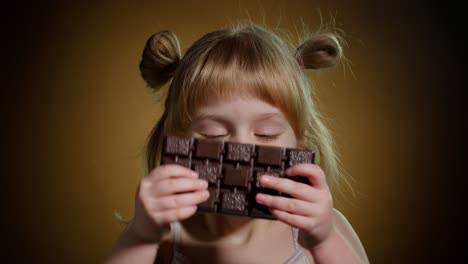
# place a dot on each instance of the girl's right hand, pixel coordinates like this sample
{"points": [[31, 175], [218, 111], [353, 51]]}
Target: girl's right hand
{"points": [[168, 194]]}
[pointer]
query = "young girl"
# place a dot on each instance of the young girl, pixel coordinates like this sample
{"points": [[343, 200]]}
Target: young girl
{"points": [[241, 84]]}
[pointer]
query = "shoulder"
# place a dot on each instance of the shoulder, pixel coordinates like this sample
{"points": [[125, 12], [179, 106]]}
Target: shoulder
{"points": [[340, 220], [343, 226]]}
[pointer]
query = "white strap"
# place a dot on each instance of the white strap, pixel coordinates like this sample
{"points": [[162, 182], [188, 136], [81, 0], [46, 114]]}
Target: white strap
{"points": [[295, 232], [177, 234]]}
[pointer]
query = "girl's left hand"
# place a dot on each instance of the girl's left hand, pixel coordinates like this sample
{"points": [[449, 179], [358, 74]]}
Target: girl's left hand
{"points": [[311, 207]]}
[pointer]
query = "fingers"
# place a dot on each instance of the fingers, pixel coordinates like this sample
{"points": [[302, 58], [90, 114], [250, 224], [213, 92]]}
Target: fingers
{"points": [[293, 206], [169, 171], [174, 215], [297, 221], [295, 189], [170, 193], [171, 179], [313, 172], [177, 207], [180, 200], [177, 185], [311, 205]]}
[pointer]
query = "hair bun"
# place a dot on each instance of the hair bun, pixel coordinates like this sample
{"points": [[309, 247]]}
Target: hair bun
{"points": [[320, 51], [160, 58]]}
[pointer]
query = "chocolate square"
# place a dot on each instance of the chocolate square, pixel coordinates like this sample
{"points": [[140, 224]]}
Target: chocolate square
{"points": [[297, 156], [175, 160], [274, 172], [239, 152], [259, 173], [210, 172], [233, 202], [270, 155], [178, 146], [183, 162], [167, 160], [237, 177], [208, 149]]}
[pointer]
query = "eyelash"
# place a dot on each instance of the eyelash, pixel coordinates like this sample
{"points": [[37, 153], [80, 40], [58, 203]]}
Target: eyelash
{"points": [[267, 137], [213, 136], [264, 138]]}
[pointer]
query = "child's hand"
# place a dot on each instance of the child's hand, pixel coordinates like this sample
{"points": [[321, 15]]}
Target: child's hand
{"points": [[310, 209], [168, 194]]}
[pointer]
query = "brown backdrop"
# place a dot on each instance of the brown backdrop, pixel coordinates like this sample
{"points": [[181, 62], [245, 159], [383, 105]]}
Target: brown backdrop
{"points": [[77, 115]]}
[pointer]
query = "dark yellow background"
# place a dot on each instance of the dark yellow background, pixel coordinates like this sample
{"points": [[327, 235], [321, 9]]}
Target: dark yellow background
{"points": [[77, 113]]}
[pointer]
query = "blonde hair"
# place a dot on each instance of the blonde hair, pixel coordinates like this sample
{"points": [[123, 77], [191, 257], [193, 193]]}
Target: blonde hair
{"points": [[243, 60]]}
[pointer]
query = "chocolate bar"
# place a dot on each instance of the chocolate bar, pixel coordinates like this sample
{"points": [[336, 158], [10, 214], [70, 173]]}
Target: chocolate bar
{"points": [[232, 171]]}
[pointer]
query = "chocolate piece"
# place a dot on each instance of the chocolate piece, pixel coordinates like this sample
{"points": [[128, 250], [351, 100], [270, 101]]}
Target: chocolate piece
{"points": [[270, 155], [209, 149], [236, 177], [297, 156], [232, 171], [239, 152], [210, 172], [176, 160], [178, 146], [234, 202]]}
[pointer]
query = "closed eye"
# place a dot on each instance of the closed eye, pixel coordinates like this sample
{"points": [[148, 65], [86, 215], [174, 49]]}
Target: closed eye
{"points": [[267, 137], [213, 136]]}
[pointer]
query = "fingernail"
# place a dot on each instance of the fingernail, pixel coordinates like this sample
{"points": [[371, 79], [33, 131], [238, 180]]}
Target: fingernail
{"points": [[260, 197], [146, 183], [265, 179], [203, 183], [194, 174]]}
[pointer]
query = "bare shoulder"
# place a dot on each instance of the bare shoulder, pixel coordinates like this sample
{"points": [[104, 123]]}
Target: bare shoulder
{"points": [[346, 230], [343, 225]]}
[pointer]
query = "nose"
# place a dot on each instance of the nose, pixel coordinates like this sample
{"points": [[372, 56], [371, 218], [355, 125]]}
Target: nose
{"points": [[242, 137]]}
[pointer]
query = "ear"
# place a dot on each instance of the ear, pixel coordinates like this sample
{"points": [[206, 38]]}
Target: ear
{"points": [[319, 51]]}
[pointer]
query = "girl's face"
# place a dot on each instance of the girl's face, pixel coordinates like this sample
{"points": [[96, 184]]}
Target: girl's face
{"points": [[241, 120]]}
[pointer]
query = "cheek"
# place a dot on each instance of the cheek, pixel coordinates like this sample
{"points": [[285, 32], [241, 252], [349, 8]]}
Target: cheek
{"points": [[289, 140]]}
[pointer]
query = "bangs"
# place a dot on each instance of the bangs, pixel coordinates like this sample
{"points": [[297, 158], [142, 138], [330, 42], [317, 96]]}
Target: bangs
{"points": [[245, 66]]}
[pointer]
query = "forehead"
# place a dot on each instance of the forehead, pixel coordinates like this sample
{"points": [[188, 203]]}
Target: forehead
{"points": [[238, 103], [239, 109]]}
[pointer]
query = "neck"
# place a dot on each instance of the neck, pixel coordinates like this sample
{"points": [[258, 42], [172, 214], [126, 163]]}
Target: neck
{"points": [[228, 229], [223, 225]]}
